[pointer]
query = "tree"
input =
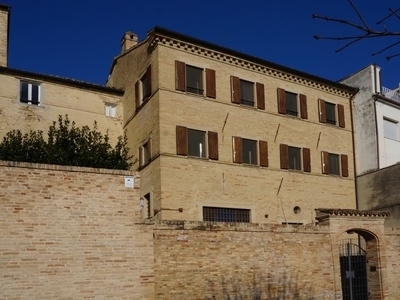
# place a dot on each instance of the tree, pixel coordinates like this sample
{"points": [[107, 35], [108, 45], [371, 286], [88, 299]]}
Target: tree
{"points": [[67, 145], [365, 30]]}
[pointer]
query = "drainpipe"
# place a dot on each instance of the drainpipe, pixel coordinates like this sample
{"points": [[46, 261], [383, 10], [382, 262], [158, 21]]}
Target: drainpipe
{"points": [[354, 147]]}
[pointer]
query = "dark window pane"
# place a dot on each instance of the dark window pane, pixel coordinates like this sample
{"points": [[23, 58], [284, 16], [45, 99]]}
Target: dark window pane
{"points": [[249, 153], [219, 214], [294, 158], [145, 84], [291, 104], [35, 93], [196, 143], [146, 153], [330, 113], [24, 91], [334, 164], [194, 80], [246, 93]]}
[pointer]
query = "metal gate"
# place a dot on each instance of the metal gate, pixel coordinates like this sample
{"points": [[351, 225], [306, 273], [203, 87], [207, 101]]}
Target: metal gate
{"points": [[353, 270]]}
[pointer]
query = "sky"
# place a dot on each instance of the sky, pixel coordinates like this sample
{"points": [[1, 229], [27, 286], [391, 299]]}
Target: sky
{"points": [[79, 38]]}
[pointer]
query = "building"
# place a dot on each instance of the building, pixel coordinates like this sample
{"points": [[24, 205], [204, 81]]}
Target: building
{"points": [[224, 136], [33, 101], [376, 118]]}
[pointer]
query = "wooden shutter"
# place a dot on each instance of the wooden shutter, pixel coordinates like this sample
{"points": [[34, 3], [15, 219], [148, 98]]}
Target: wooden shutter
{"points": [[325, 162], [235, 85], [281, 101], [137, 94], [306, 160], [263, 145], [303, 106], [148, 87], [210, 84], [180, 76], [260, 96], [345, 165], [322, 111], [341, 115], [237, 149], [181, 140], [284, 149], [213, 145]]}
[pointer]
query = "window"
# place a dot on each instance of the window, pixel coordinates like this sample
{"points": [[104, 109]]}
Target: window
{"points": [[143, 88], [191, 79], [295, 158], [390, 129], [220, 214], [243, 92], [334, 163], [30, 92], [110, 110], [146, 206], [245, 151], [145, 153], [191, 142], [289, 103], [331, 113], [196, 143]]}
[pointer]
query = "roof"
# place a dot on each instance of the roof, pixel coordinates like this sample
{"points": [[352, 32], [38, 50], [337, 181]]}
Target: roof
{"points": [[61, 80], [178, 36], [5, 7]]}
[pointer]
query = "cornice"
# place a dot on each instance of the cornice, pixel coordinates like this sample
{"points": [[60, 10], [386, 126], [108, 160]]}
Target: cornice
{"points": [[265, 69]]}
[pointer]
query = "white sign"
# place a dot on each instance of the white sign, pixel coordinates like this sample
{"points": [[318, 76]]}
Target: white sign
{"points": [[129, 181]]}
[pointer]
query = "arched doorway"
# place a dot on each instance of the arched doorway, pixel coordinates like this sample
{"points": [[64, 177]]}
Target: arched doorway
{"points": [[359, 265]]}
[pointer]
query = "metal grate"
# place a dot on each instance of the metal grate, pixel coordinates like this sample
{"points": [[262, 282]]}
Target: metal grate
{"points": [[219, 214], [353, 270]]}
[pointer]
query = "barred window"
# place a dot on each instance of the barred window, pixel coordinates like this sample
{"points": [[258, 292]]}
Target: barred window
{"points": [[222, 214]]}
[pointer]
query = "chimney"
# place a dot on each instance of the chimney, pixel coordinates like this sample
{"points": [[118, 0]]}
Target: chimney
{"points": [[128, 41], [4, 30]]}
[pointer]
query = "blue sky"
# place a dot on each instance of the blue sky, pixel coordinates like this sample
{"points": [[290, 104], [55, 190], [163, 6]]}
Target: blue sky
{"points": [[79, 38]]}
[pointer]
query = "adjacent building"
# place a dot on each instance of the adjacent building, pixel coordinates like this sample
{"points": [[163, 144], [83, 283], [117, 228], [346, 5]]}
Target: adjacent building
{"points": [[224, 136]]}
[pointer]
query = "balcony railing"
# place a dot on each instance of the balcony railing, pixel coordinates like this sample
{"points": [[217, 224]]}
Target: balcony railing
{"points": [[391, 94]]}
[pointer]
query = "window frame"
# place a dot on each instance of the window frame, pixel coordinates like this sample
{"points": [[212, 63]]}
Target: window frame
{"points": [[261, 151], [343, 164], [211, 143], [219, 214], [258, 93], [396, 129], [29, 86], [339, 113], [111, 110], [304, 158], [301, 104], [192, 74], [145, 153], [191, 138], [143, 88]]}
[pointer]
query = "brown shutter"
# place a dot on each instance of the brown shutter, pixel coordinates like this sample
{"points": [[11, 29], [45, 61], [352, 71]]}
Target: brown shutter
{"points": [[141, 163], [341, 115], [322, 111], [260, 96], [281, 101], [237, 149], [345, 165], [306, 160], [263, 145], [210, 84], [284, 156], [325, 162], [180, 76], [137, 94], [213, 145], [235, 84], [148, 76], [303, 106], [181, 140]]}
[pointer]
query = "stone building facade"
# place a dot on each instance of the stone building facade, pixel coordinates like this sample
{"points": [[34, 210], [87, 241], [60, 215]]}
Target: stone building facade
{"points": [[221, 135]]}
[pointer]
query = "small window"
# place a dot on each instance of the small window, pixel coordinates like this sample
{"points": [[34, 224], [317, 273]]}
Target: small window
{"points": [[143, 88], [330, 113], [291, 104], [249, 152], [110, 110], [294, 158], [194, 80], [144, 82], [220, 214], [30, 93], [146, 206], [246, 93], [145, 153], [334, 166], [196, 143], [390, 129]]}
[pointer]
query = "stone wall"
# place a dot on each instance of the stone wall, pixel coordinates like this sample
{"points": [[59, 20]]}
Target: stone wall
{"points": [[71, 233]]}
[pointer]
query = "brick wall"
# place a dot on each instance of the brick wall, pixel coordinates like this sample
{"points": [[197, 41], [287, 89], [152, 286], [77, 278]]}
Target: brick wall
{"points": [[71, 233]]}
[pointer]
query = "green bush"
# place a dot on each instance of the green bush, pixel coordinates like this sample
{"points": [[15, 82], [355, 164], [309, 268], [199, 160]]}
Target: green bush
{"points": [[66, 145]]}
